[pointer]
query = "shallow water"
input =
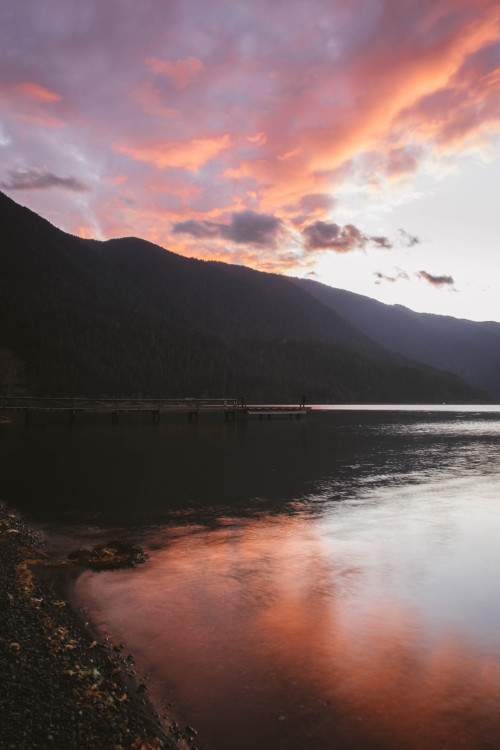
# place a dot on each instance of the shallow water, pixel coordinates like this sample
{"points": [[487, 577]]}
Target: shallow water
{"points": [[318, 584]]}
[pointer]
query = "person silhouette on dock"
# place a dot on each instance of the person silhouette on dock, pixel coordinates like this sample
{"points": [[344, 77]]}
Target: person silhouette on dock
{"points": [[303, 400]]}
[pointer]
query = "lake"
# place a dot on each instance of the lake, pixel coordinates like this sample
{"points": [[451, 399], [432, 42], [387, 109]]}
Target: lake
{"points": [[328, 582]]}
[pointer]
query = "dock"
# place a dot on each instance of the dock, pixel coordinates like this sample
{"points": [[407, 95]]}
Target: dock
{"points": [[268, 411], [231, 408]]}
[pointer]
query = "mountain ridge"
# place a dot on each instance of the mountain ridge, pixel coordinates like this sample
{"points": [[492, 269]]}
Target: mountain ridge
{"points": [[125, 316], [469, 349]]}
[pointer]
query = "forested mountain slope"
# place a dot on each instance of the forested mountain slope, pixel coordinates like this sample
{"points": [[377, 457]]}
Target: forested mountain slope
{"points": [[125, 317], [469, 349]]}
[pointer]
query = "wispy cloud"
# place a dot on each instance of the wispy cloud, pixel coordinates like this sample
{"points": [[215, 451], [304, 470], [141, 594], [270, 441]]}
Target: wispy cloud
{"points": [[398, 275], [407, 239]]}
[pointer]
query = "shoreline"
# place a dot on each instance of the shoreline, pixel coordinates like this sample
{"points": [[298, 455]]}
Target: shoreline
{"points": [[62, 687]]}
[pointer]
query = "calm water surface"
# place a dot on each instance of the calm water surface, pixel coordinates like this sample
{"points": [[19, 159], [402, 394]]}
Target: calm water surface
{"points": [[332, 583]]}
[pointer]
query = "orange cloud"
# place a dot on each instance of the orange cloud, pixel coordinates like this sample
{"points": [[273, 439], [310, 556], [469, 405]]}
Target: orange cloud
{"points": [[272, 260], [301, 111], [84, 230], [465, 109], [397, 84], [279, 181], [190, 155], [383, 110]]}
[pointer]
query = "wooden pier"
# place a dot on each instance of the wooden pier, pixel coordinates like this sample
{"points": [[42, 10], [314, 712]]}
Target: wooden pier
{"points": [[232, 408], [268, 411]]}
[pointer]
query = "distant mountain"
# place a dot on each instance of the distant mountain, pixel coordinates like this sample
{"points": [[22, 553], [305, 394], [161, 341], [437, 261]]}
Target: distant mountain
{"points": [[469, 349], [125, 317]]}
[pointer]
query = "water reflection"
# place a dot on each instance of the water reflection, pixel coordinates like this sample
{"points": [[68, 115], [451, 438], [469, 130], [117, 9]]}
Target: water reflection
{"points": [[139, 474], [311, 585], [294, 632]]}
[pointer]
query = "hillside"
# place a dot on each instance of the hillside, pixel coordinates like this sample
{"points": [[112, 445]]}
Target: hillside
{"points": [[467, 348], [125, 317]]}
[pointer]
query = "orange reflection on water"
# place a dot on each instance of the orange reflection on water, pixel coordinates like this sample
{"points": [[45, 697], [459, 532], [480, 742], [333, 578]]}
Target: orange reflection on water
{"points": [[267, 635]]}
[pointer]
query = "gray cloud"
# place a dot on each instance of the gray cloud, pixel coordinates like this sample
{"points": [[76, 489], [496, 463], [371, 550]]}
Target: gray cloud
{"points": [[381, 242], [246, 227], [249, 226], [310, 203], [198, 229], [40, 179], [407, 239], [324, 235], [436, 280], [313, 201], [392, 279]]}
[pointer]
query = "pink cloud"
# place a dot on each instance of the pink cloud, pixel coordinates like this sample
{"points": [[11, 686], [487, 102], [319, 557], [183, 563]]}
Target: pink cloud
{"points": [[150, 99], [27, 101], [39, 93], [118, 179], [385, 82], [313, 202], [181, 72], [468, 107], [401, 161], [318, 205], [279, 112], [259, 138]]}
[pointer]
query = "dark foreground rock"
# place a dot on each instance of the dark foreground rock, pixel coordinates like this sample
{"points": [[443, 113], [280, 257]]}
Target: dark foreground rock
{"points": [[109, 555], [58, 688]]}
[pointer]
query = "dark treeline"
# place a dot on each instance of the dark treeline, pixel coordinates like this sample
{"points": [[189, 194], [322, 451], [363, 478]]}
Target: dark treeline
{"points": [[125, 317]]}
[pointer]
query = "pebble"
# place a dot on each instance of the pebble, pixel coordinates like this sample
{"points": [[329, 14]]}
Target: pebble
{"points": [[48, 681]]}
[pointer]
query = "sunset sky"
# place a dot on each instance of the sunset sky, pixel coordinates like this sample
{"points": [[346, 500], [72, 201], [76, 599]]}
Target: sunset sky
{"points": [[355, 142]]}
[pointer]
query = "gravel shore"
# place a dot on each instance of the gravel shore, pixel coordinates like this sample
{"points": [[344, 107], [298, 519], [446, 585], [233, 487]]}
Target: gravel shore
{"points": [[59, 688]]}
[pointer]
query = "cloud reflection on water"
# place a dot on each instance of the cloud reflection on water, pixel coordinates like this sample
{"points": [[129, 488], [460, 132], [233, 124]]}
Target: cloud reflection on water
{"points": [[306, 619], [317, 584]]}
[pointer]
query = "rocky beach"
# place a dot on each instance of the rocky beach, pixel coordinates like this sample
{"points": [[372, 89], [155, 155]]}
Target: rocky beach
{"points": [[60, 687]]}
